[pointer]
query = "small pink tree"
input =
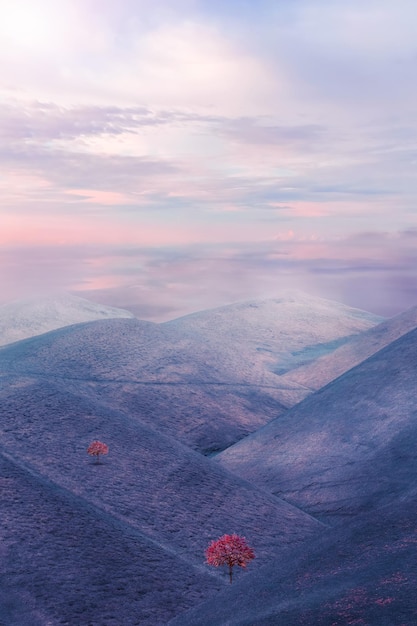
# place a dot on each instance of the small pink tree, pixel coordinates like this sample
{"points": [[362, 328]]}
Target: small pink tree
{"points": [[229, 550], [96, 448]]}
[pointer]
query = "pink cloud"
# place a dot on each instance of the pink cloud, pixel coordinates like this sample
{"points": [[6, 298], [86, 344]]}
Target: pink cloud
{"points": [[102, 197]]}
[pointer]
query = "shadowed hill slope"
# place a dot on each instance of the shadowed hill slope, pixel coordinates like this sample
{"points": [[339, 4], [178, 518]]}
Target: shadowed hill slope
{"points": [[169, 502], [361, 573], [149, 479], [349, 447], [64, 562], [347, 452]]}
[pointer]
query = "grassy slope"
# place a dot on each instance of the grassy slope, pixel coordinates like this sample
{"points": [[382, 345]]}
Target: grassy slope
{"points": [[348, 448], [362, 574], [193, 378], [27, 318], [328, 367], [147, 512], [153, 505], [65, 562]]}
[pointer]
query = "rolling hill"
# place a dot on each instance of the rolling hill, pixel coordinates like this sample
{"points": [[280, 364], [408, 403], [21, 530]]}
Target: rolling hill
{"points": [[121, 542], [65, 562], [359, 573], [346, 454], [208, 379], [261, 340], [328, 367], [26, 318], [346, 449], [153, 376], [324, 492]]}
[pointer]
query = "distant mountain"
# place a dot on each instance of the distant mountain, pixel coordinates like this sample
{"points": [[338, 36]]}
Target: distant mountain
{"points": [[328, 367], [28, 318], [346, 449]]}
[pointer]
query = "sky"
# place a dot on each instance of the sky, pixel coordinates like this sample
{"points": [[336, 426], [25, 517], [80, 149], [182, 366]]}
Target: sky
{"points": [[178, 155]]}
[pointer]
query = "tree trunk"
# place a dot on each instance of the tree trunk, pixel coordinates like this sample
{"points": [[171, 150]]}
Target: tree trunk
{"points": [[230, 573]]}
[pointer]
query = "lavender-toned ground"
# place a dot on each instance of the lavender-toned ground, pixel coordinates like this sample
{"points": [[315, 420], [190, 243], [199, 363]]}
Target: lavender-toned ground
{"points": [[26, 318], [208, 379], [122, 542], [348, 448], [360, 573], [65, 562], [326, 368]]}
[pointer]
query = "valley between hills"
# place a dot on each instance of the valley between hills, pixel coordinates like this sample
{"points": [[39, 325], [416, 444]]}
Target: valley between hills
{"points": [[291, 421]]}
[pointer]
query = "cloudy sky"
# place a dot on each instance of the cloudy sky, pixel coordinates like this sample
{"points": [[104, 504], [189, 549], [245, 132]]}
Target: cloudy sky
{"points": [[175, 155]]}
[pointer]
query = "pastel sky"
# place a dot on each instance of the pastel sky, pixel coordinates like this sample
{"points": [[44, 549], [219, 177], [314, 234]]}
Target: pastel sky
{"points": [[176, 155]]}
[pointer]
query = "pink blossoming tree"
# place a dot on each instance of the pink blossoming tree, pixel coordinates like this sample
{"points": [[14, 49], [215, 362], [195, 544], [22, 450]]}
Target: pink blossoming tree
{"points": [[229, 550], [96, 448]]}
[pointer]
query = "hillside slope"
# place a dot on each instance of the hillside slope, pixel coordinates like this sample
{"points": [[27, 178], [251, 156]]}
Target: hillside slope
{"points": [[123, 542], [208, 379], [28, 318], [361, 573], [64, 562], [152, 374], [264, 339], [142, 518], [347, 455], [328, 367], [346, 449]]}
